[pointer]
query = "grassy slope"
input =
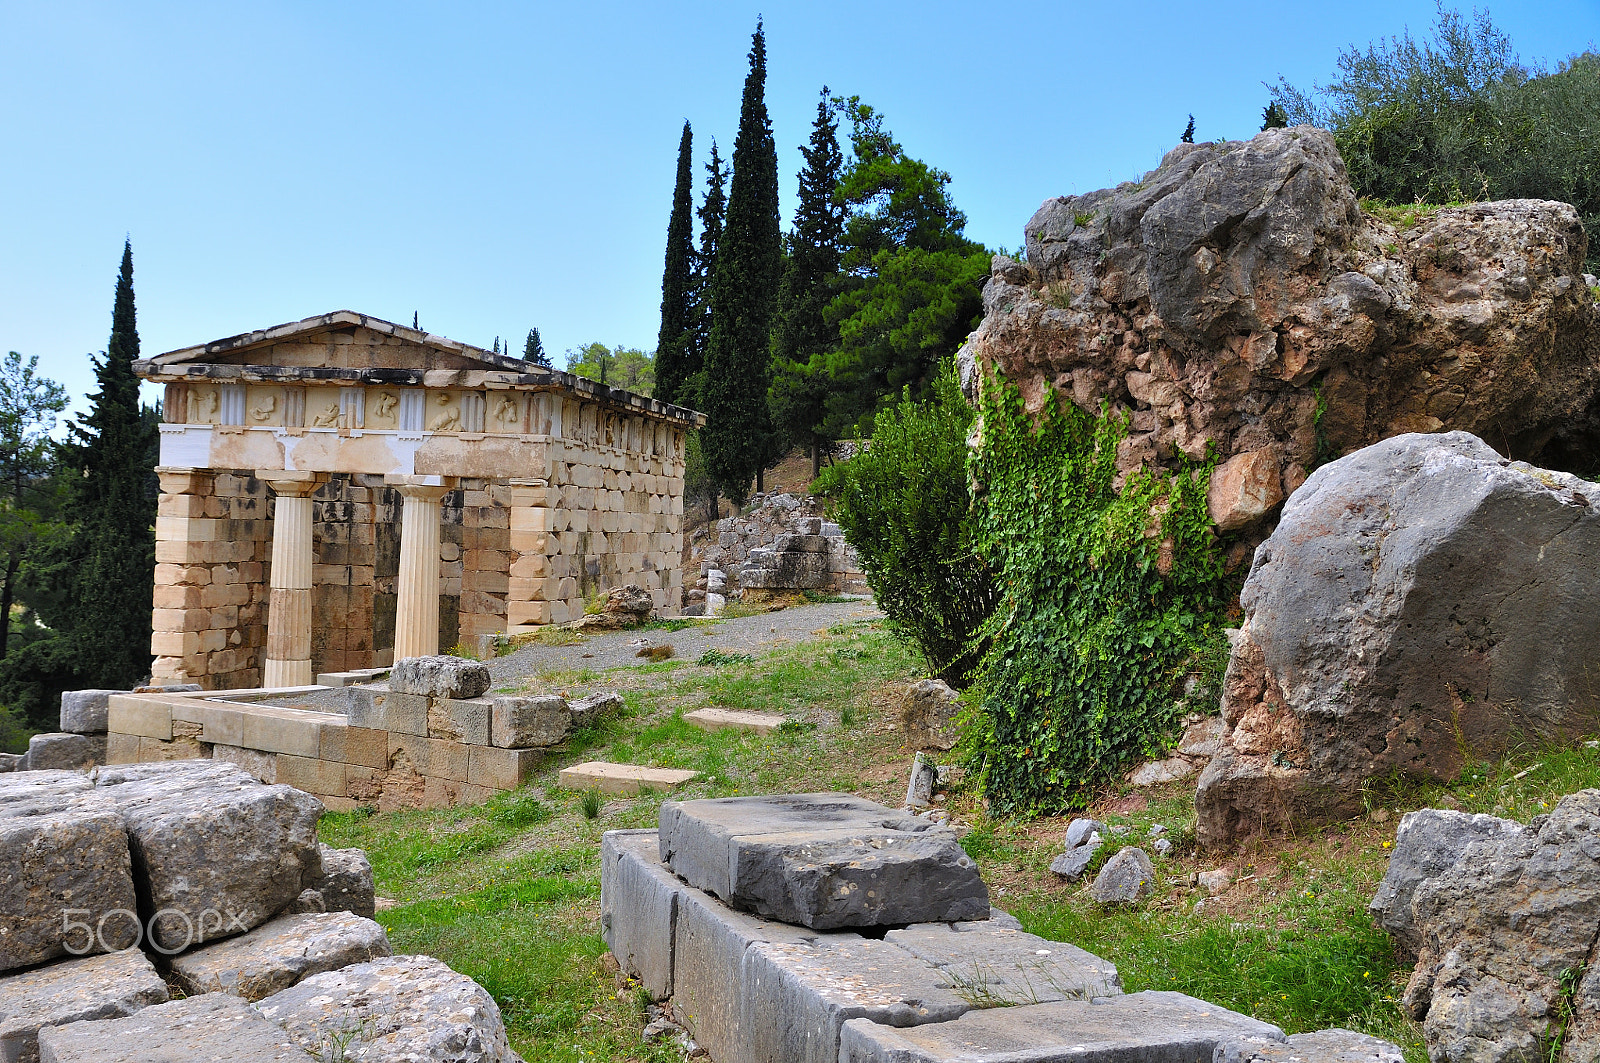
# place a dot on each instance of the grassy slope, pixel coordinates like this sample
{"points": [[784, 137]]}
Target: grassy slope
{"points": [[508, 892]]}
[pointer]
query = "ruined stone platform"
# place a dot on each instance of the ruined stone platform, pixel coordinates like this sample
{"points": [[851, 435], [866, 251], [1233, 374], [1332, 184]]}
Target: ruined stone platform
{"points": [[823, 861]]}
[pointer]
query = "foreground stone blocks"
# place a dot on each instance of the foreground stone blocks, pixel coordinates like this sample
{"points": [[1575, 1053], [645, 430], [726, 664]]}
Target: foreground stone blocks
{"points": [[62, 847], [1002, 964], [86, 711], [639, 907], [219, 851], [279, 954], [215, 1028], [95, 987], [400, 1008], [1135, 1028], [822, 860]]}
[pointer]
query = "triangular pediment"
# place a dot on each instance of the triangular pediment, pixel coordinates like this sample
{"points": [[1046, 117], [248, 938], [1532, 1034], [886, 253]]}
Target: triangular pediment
{"points": [[342, 340]]}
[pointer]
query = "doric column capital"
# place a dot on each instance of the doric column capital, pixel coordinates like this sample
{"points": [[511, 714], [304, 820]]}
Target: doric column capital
{"points": [[290, 482], [422, 488]]}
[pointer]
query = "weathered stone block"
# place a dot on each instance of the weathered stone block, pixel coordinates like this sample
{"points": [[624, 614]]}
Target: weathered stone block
{"points": [[311, 775], [439, 677], [382, 710], [264, 766], [1008, 965], [366, 746], [215, 849], [279, 730], [626, 779], [345, 882], [1323, 1046], [596, 707], [415, 1007], [63, 849], [280, 953], [66, 752], [213, 1028], [86, 711], [1135, 1028], [639, 907], [134, 715], [460, 721], [501, 769], [95, 987], [448, 760], [822, 860], [521, 723]]}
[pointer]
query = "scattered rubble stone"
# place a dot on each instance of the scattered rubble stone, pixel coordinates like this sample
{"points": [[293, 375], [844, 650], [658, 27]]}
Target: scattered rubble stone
{"points": [[280, 953], [345, 882], [1324, 1046], [1125, 878], [94, 987], [214, 1028], [439, 677]]}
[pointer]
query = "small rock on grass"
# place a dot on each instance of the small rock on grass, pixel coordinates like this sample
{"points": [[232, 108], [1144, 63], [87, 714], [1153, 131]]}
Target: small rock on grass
{"points": [[1214, 881], [1078, 831], [1071, 864], [1125, 878]]}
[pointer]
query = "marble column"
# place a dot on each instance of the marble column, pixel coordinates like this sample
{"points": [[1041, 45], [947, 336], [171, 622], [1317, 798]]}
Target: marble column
{"points": [[416, 621], [288, 662]]}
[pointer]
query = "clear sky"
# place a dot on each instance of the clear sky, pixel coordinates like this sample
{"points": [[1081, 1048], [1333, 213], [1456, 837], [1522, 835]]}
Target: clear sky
{"points": [[494, 166]]}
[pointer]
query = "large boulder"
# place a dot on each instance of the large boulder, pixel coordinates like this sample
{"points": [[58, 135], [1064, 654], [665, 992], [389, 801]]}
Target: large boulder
{"points": [[216, 852], [1504, 932], [1238, 298], [1415, 606]]}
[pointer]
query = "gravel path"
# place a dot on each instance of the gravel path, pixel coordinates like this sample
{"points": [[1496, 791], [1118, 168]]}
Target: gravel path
{"points": [[742, 634]]}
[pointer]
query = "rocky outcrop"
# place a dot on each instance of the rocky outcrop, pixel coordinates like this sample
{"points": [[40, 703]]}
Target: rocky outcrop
{"points": [[1238, 299], [1414, 606], [1504, 919]]}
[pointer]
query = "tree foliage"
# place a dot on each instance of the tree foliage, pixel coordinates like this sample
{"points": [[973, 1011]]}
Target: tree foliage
{"points": [[677, 279], [113, 506], [798, 396], [533, 350], [738, 438], [1457, 116], [713, 207], [903, 502], [619, 367]]}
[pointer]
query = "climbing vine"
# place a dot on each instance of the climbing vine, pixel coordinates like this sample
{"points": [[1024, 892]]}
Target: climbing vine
{"points": [[1109, 596]]}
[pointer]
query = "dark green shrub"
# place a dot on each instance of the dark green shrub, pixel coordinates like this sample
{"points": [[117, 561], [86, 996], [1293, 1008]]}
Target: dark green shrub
{"points": [[1111, 599], [903, 503]]}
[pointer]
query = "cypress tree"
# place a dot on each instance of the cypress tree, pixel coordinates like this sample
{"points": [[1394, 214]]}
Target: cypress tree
{"points": [[737, 438], [1188, 131], [533, 350], [798, 395], [114, 506], [677, 276], [712, 210]]}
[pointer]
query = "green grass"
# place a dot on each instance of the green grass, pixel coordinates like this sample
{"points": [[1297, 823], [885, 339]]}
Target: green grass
{"points": [[508, 891]]}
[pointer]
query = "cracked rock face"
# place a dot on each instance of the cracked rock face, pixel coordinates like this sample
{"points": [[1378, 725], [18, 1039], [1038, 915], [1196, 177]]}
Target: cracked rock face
{"points": [[1238, 297], [1504, 919], [1416, 604]]}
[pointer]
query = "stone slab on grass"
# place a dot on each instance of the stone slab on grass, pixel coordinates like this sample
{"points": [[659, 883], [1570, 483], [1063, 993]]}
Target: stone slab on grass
{"points": [[798, 995], [639, 907], [1149, 1027], [734, 720], [825, 861], [219, 851], [1323, 1046], [280, 953], [94, 987], [411, 1008], [626, 779], [215, 1028], [997, 966], [63, 849]]}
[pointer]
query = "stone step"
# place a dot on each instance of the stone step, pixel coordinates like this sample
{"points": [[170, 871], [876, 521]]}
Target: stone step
{"points": [[735, 720], [1135, 1028], [624, 779]]}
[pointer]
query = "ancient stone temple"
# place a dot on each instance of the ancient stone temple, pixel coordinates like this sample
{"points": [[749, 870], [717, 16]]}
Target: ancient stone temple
{"points": [[341, 492]]}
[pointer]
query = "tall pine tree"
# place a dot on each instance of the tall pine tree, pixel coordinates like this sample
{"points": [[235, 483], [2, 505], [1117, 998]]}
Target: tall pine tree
{"points": [[737, 439], [114, 507], [799, 391], [713, 209], [677, 277], [533, 350]]}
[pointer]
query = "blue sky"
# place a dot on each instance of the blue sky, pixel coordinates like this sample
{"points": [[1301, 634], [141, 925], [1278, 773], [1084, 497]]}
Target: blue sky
{"points": [[496, 166]]}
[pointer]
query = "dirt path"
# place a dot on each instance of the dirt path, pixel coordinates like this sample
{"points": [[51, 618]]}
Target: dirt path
{"points": [[743, 634]]}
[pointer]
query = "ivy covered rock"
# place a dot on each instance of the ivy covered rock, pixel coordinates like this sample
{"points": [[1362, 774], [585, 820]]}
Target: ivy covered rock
{"points": [[1238, 300], [1421, 601]]}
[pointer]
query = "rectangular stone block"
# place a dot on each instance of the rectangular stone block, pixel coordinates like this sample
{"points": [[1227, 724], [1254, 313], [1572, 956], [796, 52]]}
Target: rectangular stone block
{"points": [[714, 719], [1006, 965], [384, 710], [122, 749], [524, 723], [460, 721], [213, 1026], [639, 907], [501, 769], [222, 724], [625, 779], [65, 851], [133, 714], [278, 730], [448, 760], [263, 766], [1135, 1028], [824, 861], [321, 777], [280, 953], [86, 711], [94, 987], [408, 752], [366, 746]]}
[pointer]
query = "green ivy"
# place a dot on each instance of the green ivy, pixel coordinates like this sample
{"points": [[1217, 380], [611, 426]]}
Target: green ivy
{"points": [[1091, 642]]}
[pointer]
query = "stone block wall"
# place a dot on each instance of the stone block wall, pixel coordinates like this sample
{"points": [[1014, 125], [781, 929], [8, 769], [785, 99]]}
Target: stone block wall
{"points": [[727, 545]]}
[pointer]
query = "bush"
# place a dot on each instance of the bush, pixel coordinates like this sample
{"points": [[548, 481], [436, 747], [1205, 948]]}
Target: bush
{"points": [[1112, 597], [903, 503]]}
